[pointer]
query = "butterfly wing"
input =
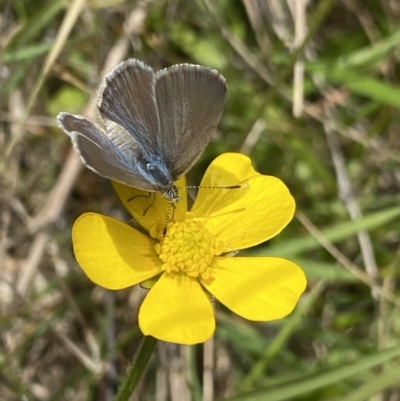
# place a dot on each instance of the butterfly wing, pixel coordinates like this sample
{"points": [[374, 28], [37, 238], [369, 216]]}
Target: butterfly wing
{"points": [[164, 120], [100, 154], [127, 97], [190, 101]]}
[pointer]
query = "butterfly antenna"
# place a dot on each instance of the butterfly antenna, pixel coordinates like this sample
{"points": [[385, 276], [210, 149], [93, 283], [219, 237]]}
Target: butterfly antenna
{"points": [[225, 187]]}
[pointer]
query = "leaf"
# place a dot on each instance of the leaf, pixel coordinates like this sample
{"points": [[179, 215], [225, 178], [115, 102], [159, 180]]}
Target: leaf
{"points": [[335, 233], [358, 82], [319, 379]]}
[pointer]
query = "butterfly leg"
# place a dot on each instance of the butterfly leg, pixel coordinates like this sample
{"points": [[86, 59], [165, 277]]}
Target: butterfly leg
{"points": [[151, 194]]}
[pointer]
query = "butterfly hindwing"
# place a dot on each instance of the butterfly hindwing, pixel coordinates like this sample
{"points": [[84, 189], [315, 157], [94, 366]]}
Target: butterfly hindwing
{"points": [[100, 154], [127, 97]]}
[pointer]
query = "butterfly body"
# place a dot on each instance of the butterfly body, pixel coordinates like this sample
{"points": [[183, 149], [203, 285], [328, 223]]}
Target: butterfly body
{"points": [[152, 126], [153, 169]]}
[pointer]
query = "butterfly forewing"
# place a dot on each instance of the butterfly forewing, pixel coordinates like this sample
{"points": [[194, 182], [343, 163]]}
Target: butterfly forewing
{"points": [[190, 101], [127, 97]]}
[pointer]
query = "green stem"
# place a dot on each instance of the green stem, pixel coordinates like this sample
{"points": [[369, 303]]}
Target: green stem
{"points": [[136, 369]]}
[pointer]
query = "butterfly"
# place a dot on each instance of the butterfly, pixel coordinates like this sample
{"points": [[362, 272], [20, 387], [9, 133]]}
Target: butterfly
{"points": [[153, 126]]}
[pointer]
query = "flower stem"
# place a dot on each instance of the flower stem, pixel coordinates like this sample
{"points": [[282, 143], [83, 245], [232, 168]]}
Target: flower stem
{"points": [[136, 369]]}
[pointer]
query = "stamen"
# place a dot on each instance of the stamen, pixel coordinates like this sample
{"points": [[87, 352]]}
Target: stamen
{"points": [[188, 248]]}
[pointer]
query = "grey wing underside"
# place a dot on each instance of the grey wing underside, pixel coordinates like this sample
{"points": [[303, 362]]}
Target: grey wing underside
{"points": [[190, 101], [99, 153], [172, 114], [127, 97]]}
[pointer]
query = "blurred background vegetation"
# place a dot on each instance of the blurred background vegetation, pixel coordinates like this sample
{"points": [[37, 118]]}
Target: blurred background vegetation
{"points": [[313, 98]]}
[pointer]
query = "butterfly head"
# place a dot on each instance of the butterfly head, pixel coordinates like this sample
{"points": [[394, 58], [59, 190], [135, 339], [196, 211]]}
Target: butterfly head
{"points": [[171, 194], [159, 175]]}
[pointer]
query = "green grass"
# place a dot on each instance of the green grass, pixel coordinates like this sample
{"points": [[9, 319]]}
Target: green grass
{"points": [[63, 338]]}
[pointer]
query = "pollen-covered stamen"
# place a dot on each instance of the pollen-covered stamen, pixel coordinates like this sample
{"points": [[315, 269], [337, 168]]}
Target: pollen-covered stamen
{"points": [[188, 248]]}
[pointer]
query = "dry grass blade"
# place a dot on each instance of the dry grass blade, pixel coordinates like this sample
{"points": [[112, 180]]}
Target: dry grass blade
{"points": [[344, 261], [69, 21], [311, 100]]}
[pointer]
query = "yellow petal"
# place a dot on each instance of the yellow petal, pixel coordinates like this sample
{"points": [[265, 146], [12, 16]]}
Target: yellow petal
{"points": [[177, 310], [245, 217], [113, 254], [228, 169], [258, 289], [149, 208]]}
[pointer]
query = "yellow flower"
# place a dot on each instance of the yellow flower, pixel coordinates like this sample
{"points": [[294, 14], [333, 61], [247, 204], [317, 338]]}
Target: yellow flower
{"points": [[193, 259]]}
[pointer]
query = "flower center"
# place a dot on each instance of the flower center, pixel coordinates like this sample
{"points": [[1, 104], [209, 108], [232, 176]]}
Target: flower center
{"points": [[188, 247]]}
